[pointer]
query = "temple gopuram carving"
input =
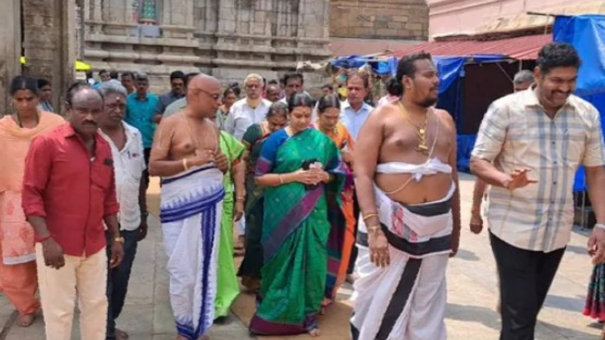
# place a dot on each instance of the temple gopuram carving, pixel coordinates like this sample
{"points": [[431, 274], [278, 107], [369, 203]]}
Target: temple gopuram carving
{"points": [[224, 38]]}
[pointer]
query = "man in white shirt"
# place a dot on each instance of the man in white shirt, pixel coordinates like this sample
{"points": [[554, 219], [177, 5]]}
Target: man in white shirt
{"points": [[250, 110], [354, 111], [129, 163]]}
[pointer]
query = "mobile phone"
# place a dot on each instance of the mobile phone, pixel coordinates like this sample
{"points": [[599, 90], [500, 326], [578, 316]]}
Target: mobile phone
{"points": [[306, 165]]}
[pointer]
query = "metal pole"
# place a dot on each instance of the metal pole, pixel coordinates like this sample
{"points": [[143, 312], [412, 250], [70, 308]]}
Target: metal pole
{"points": [[541, 14]]}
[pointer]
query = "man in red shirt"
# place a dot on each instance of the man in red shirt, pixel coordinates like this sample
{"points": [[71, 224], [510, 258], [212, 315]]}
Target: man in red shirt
{"points": [[68, 192]]}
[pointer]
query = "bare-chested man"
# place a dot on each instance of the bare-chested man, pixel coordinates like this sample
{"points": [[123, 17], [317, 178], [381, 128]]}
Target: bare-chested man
{"points": [[407, 185], [186, 155]]}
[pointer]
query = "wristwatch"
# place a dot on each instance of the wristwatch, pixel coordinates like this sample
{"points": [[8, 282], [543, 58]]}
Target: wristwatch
{"points": [[119, 239]]}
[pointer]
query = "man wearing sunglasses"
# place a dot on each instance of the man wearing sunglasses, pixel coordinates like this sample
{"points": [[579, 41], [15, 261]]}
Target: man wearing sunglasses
{"points": [[187, 156]]}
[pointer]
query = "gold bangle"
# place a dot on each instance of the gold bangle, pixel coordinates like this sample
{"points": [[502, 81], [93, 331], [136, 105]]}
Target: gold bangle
{"points": [[373, 229], [240, 199], [185, 166], [281, 179], [368, 216]]}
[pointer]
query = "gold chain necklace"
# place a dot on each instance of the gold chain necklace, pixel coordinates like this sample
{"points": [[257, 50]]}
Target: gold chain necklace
{"points": [[420, 130]]}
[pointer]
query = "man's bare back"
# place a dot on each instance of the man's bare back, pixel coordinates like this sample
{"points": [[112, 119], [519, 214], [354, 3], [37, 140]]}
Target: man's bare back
{"points": [[400, 143]]}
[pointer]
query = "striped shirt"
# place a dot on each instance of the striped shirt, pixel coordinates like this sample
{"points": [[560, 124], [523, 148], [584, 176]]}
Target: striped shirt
{"points": [[517, 133]]}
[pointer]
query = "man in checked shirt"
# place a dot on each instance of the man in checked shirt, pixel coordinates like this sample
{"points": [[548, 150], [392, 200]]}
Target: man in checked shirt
{"points": [[528, 149]]}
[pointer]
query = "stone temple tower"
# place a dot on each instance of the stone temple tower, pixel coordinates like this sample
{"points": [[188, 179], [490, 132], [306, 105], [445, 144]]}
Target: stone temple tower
{"points": [[223, 38]]}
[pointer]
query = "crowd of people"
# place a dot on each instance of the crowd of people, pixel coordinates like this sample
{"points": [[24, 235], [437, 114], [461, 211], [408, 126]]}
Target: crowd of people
{"points": [[316, 193]]}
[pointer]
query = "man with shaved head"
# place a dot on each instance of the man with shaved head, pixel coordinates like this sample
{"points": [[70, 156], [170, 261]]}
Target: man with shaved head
{"points": [[186, 154], [68, 197]]}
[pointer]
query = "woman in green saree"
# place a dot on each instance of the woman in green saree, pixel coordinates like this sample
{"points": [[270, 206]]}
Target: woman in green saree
{"points": [[300, 169], [254, 138], [227, 287]]}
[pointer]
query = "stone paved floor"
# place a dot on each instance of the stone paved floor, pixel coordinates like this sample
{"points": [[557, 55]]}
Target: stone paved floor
{"points": [[471, 300]]}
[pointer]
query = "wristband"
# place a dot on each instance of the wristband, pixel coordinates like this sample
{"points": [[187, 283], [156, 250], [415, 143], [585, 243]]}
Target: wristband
{"points": [[185, 165], [600, 226]]}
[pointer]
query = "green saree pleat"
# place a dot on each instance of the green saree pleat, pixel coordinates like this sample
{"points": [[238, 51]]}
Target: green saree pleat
{"points": [[227, 287]]}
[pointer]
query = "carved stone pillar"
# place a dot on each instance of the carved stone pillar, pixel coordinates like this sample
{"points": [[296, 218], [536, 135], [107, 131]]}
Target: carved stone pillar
{"points": [[10, 49], [49, 42], [176, 12], [227, 22], [97, 10], [188, 13]]}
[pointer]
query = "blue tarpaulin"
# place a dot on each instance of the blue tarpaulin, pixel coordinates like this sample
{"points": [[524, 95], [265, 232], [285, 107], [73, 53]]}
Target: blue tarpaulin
{"points": [[452, 68], [598, 100], [380, 65], [451, 72], [586, 33]]}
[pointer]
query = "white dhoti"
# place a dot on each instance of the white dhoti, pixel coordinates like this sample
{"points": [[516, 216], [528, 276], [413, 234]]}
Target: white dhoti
{"points": [[190, 211], [406, 300]]}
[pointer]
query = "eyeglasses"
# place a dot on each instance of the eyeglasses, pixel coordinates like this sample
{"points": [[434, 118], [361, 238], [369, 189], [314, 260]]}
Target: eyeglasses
{"points": [[213, 96]]}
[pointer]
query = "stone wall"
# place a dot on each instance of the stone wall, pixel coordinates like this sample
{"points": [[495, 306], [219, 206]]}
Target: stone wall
{"points": [[379, 19], [10, 48], [225, 38], [49, 42]]}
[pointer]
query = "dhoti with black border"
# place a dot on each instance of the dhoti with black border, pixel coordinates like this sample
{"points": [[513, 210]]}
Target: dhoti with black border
{"points": [[407, 299]]}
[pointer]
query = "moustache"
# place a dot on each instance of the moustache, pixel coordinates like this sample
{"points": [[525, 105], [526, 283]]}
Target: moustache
{"points": [[90, 123]]}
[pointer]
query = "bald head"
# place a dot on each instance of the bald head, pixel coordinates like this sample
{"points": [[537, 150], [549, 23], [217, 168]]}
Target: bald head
{"points": [[84, 111], [86, 94], [203, 81], [204, 95], [273, 93]]}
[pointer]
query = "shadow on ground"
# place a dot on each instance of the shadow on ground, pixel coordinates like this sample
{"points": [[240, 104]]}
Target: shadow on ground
{"points": [[467, 255]]}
